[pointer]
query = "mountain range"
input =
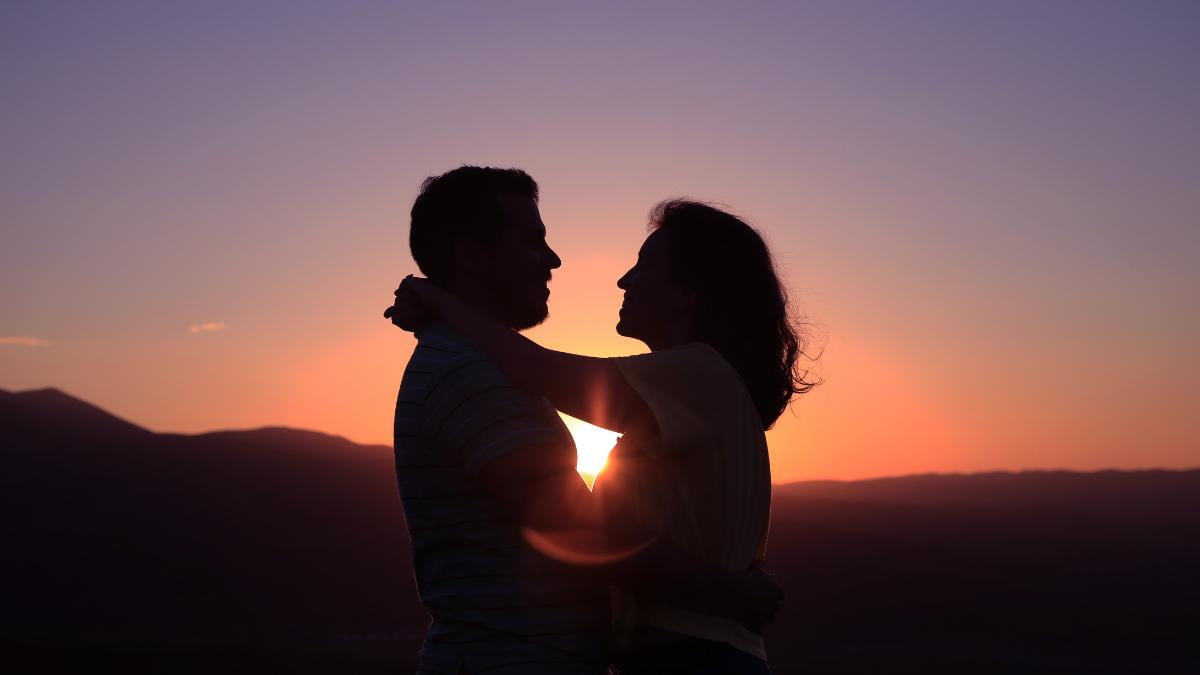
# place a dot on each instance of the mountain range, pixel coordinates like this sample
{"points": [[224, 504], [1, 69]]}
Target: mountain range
{"points": [[285, 550]]}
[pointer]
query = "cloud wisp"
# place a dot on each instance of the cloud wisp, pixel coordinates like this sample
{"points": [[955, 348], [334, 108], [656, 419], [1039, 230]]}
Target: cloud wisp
{"points": [[209, 327], [23, 341]]}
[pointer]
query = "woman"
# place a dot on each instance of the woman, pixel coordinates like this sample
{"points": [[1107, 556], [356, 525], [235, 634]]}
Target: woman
{"points": [[692, 465]]}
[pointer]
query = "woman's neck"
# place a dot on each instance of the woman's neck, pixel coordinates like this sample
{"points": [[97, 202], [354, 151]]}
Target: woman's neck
{"points": [[672, 338]]}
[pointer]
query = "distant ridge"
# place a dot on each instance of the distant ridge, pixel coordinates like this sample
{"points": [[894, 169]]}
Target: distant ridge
{"points": [[53, 407], [51, 410], [284, 435], [1109, 491]]}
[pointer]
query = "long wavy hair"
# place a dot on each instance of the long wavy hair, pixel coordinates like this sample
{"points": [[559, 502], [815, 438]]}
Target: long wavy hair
{"points": [[742, 308]]}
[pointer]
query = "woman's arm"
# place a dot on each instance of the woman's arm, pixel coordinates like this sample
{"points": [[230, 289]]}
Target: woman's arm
{"points": [[589, 388]]}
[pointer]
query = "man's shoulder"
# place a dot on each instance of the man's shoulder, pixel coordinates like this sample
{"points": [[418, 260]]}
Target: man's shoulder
{"points": [[440, 336], [446, 362], [440, 349]]}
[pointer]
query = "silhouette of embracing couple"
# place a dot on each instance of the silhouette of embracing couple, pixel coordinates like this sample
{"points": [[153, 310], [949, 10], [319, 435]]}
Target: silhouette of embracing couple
{"points": [[523, 569]]}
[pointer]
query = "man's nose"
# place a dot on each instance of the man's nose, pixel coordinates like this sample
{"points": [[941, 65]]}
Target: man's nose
{"points": [[553, 260], [623, 282]]}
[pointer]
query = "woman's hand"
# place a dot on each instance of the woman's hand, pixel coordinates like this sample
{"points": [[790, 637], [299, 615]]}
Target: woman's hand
{"points": [[417, 302]]}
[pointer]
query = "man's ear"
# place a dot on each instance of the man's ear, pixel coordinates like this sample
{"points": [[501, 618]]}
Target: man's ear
{"points": [[691, 299], [470, 258]]}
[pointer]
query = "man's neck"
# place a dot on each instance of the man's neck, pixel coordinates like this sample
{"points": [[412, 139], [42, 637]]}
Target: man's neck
{"points": [[477, 298]]}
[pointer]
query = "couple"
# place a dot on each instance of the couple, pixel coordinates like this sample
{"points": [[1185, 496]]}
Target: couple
{"points": [[522, 568]]}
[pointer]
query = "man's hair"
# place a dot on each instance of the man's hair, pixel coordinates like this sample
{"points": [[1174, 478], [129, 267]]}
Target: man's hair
{"points": [[462, 203]]}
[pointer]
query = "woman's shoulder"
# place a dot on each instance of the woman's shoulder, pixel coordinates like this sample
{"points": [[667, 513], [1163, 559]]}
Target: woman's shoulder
{"points": [[693, 375], [682, 366], [707, 361], [695, 370]]}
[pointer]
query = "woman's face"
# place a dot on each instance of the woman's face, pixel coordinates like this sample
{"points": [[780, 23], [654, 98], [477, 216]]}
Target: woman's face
{"points": [[656, 309]]}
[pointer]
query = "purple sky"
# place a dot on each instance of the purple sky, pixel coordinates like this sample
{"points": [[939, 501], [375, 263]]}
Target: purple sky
{"points": [[991, 211]]}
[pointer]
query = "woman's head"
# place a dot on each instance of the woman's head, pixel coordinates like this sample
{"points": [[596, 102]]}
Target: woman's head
{"points": [[703, 275]]}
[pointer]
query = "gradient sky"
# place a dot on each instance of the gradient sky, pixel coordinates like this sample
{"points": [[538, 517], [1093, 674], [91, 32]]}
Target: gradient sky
{"points": [[989, 212]]}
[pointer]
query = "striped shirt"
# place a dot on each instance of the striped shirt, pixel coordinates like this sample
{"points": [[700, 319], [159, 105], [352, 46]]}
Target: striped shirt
{"points": [[497, 604]]}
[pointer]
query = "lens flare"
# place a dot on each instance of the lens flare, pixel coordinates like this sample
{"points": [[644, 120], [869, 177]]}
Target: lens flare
{"points": [[593, 445]]}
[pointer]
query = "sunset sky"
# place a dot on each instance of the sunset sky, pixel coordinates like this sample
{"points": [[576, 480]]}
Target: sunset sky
{"points": [[989, 213]]}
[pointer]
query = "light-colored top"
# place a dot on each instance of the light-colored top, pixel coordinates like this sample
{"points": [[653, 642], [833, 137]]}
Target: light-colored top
{"points": [[497, 603], [704, 481]]}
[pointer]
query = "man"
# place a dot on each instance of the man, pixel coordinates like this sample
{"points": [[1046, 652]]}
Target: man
{"points": [[478, 461]]}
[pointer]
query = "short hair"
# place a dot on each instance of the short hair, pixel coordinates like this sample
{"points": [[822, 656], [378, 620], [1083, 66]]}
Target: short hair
{"points": [[461, 203], [742, 310]]}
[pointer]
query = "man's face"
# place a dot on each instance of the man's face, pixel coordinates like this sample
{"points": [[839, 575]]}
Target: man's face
{"points": [[520, 265]]}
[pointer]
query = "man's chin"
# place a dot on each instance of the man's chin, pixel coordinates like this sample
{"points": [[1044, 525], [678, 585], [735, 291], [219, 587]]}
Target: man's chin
{"points": [[527, 320]]}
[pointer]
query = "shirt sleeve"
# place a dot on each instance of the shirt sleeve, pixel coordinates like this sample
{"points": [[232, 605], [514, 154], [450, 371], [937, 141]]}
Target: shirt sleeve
{"points": [[682, 386], [477, 415]]}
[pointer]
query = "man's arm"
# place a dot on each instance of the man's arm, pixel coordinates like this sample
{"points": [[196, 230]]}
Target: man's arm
{"points": [[544, 493]]}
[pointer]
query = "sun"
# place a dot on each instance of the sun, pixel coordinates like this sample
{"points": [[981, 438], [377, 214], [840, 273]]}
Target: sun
{"points": [[593, 444]]}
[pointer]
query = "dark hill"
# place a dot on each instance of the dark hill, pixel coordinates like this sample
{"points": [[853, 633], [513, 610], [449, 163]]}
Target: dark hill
{"points": [[46, 410], [280, 550], [1130, 494], [998, 573], [248, 538]]}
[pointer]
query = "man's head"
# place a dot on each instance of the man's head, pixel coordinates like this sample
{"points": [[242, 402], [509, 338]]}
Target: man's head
{"points": [[477, 231]]}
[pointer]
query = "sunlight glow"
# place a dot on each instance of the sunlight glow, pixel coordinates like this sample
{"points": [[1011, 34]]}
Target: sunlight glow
{"points": [[580, 547], [593, 444]]}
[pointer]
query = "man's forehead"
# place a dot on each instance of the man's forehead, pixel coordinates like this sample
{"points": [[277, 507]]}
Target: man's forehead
{"points": [[520, 210]]}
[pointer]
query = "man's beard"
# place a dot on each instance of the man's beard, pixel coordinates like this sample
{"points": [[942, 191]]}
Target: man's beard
{"points": [[520, 313], [528, 318]]}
